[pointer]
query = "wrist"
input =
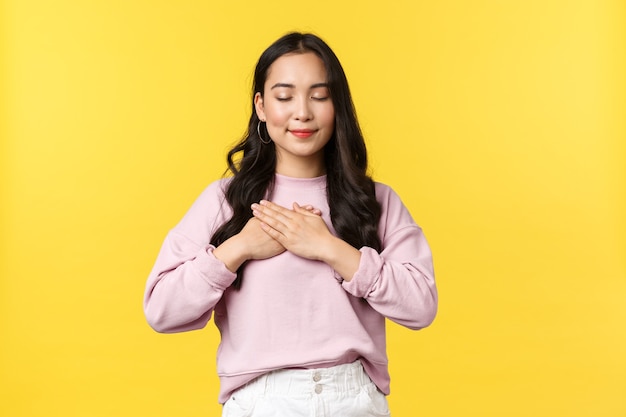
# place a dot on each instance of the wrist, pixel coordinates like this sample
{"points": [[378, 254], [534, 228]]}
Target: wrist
{"points": [[232, 253], [342, 257], [329, 251]]}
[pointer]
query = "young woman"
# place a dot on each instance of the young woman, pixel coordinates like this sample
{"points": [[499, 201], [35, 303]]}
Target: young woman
{"points": [[299, 255]]}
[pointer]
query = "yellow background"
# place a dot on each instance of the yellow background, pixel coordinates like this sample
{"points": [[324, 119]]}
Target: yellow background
{"points": [[500, 123]]}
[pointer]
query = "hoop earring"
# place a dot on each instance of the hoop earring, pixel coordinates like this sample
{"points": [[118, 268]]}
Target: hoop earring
{"points": [[258, 130]]}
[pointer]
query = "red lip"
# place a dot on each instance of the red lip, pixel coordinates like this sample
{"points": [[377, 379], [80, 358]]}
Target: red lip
{"points": [[302, 133]]}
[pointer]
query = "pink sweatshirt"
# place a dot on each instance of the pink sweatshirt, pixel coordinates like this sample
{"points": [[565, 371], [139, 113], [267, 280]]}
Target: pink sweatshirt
{"points": [[292, 312]]}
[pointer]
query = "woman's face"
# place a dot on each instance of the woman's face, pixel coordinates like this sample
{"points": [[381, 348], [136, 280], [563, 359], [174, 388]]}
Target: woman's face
{"points": [[299, 113]]}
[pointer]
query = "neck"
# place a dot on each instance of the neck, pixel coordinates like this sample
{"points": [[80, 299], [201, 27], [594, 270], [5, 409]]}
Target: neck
{"points": [[299, 168]]}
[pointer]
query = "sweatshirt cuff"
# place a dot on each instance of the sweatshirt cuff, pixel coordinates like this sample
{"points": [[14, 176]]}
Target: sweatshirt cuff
{"points": [[363, 281], [213, 270]]}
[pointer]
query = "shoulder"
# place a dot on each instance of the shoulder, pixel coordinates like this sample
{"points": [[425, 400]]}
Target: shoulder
{"points": [[217, 187], [214, 193], [386, 195], [394, 214], [207, 212]]}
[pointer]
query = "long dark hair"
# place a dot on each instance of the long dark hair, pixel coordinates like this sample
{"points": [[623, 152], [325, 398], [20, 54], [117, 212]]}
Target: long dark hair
{"points": [[354, 210]]}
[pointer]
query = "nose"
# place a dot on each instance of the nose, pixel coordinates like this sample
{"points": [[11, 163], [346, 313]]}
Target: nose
{"points": [[303, 109]]}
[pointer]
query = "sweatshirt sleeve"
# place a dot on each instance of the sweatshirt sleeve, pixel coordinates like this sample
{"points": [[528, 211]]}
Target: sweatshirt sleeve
{"points": [[187, 281], [399, 281]]}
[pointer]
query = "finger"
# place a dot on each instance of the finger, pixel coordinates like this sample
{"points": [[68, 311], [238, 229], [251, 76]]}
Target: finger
{"points": [[275, 207], [273, 233], [266, 210], [265, 217], [303, 210], [312, 209], [270, 217], [271, 210]]}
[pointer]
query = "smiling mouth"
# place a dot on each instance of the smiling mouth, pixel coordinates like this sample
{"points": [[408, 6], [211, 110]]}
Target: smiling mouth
{"points": [[302, 133]]}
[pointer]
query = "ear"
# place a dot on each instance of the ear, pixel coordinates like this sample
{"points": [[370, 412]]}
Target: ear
{"points": [[260, 108]]}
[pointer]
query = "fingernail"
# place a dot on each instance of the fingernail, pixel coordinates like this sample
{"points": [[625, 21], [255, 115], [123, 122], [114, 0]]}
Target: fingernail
{"points": [[263, 202], [255, 205]]}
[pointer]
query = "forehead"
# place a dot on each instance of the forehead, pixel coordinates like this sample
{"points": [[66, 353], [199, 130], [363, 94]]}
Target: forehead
{"points": [[298, 69]]}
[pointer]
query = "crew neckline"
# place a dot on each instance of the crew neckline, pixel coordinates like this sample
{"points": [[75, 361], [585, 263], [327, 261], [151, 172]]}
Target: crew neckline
{"points": [[293, 182]]}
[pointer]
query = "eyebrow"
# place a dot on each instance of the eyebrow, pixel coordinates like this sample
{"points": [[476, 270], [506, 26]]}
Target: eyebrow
{"points": [[285, 85]]}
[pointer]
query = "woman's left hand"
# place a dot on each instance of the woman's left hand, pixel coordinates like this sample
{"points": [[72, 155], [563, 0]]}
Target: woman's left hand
{"points": [[301, 230]]}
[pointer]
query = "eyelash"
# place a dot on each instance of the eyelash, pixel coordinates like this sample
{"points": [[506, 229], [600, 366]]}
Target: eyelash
{"points": [[312, 98]]}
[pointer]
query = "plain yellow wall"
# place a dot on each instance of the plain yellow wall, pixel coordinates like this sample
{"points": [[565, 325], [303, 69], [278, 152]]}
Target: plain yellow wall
{"points": [[500, 123]]}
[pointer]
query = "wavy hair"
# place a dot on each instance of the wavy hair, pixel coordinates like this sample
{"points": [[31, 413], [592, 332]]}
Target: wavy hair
{"points": [[354, 211]]}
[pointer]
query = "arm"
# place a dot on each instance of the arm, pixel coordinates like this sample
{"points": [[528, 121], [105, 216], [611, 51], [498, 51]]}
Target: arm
{"points": [[186, 283], [190, 275], [399, 282], [187, 280]]}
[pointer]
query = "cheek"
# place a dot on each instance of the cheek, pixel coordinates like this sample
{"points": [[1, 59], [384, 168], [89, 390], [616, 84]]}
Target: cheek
{"points": [[276, 116], [329, 118]]}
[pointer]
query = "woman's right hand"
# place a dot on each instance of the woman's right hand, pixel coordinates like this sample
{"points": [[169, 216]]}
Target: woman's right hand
{"points": [[257, 243], [251, 243]]}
